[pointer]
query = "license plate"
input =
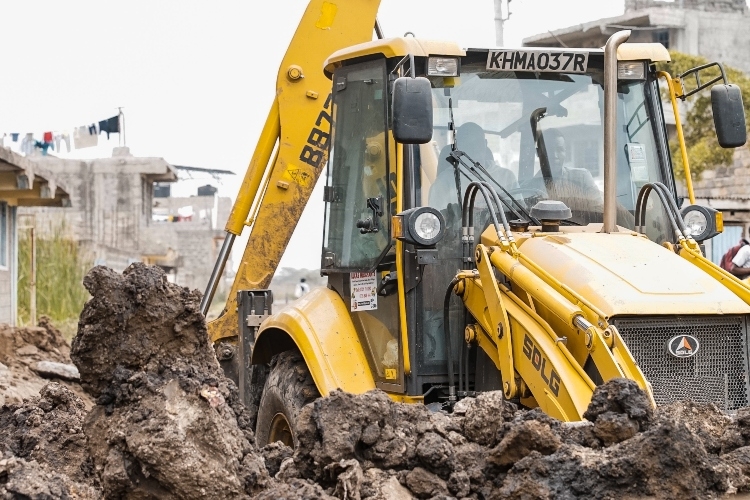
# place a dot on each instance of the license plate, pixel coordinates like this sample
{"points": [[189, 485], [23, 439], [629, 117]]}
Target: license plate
{"points": [[537, 60]]}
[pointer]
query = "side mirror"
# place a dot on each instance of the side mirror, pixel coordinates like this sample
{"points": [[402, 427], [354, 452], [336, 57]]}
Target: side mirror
{"points": [[729, 115], [412, 110]]}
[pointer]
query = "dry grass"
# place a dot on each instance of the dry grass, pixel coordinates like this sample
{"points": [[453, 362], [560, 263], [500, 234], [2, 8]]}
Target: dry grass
{"points": [[61, 266]]}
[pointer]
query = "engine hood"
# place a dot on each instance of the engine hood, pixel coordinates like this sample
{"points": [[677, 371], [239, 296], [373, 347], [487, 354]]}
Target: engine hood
{"points": [[624, 274]]}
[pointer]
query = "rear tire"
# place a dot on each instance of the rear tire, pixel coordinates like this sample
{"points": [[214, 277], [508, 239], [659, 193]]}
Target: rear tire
{"points": [[288, 388]]}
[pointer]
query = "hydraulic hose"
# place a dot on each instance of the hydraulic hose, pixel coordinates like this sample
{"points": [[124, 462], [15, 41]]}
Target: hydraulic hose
{"points": [[675, 208], [678, 225], [468, 208], [448, 346]]}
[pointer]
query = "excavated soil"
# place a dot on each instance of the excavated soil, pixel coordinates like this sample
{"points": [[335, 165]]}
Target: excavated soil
{"points": [[167, 424], [21, 349]]}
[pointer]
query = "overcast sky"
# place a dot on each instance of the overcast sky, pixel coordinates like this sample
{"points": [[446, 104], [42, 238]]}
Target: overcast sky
{"points": [[196, 79]]}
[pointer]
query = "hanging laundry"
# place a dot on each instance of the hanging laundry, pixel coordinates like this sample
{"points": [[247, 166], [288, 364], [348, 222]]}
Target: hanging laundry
{"points": [[92, 129], [47, 137], [14, 136], [27, 144], [42, 146], [110, 125], [59, 139], [82, 138]]}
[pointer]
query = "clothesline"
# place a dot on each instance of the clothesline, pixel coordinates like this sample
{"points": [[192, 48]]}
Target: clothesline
{"points": [[84, 136]]}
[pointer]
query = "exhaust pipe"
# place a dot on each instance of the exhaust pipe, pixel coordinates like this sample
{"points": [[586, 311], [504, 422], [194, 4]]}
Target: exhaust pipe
{"points": [[610, 130]]}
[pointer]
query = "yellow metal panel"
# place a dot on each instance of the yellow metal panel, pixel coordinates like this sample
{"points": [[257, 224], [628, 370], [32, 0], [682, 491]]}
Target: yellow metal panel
{"points": [[394, 47], [544, 368], [399, 149], [320, 325], [739, 287], [620, 273], [499, 326], [304, 119], [654, 52]]}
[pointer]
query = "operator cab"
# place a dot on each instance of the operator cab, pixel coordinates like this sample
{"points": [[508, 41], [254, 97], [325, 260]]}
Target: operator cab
{"points": [[528, 122]]}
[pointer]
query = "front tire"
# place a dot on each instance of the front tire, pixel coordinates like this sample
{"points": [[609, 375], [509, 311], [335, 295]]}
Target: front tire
{"points": [[288, 388]]}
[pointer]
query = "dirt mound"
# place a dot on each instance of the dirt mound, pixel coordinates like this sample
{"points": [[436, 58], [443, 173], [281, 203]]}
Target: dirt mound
{"points": [[22, 350], [167, 424], [48, 429], [39, 342], [624, 451], [21, 479]]}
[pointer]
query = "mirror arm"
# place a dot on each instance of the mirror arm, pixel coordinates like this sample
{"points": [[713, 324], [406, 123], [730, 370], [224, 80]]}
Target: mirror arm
{"points": [[700, 86]]}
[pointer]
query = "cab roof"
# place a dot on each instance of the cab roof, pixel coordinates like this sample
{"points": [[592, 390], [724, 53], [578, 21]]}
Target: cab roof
{"points": [[399, 47]]}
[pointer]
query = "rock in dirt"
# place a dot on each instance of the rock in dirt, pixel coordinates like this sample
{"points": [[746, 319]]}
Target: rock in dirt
{"points": [[619, 409], [167, 423], [52, 369]]}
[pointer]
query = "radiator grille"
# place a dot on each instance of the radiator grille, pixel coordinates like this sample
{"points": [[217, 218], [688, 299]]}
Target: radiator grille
{"points": [[716, 374]]}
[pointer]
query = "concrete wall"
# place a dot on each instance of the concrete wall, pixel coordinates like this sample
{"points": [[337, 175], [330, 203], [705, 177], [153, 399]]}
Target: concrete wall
{"points": [[9, 273], [111, 203], [196, 241]]}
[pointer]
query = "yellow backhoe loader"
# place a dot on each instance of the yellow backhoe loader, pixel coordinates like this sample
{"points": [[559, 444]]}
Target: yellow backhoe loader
{"points": [[495, 219]]}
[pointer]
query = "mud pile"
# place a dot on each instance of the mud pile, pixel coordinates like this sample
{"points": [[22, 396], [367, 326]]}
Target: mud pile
{"points": [[43, 449], [490, 449], [22, 351], [168, 424]]}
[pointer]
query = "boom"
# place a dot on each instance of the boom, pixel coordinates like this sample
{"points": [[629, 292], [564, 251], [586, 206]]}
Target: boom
{"points": [[292, 149]]}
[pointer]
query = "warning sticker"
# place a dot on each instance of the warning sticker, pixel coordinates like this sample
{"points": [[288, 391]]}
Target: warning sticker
{"points": [[637, 160], [537, 60], [364, 291]]}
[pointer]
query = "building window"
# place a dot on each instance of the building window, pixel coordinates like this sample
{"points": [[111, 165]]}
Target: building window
{"points": [[662, 37], [4, 234]]}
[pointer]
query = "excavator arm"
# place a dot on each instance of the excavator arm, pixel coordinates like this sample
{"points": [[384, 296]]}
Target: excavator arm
{"points": [[291, 152]]}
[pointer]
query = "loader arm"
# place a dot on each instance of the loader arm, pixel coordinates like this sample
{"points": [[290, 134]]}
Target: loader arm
{"points": [[533, 356], [292, 149]]}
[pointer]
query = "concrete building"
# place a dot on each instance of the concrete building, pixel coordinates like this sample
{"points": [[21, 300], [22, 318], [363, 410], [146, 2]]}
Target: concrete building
{"points": [[185, 236], [111, 198], [715, 29], [119, 219], [23, 183]]}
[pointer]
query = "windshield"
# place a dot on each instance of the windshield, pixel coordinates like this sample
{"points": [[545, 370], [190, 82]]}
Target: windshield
{"points": [[538, 136]]}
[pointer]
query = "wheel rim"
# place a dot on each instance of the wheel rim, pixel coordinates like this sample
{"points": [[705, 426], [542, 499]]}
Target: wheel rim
{"points": [[281, 430]]}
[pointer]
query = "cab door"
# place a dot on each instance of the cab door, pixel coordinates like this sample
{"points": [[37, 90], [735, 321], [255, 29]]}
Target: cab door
{"points": [[358, 254]]}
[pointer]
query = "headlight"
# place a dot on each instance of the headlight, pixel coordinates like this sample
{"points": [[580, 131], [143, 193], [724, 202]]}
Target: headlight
{"points": [[421, 226], [442, 66], [631, 70], [702, 222], [696, 222], [427, 226]]}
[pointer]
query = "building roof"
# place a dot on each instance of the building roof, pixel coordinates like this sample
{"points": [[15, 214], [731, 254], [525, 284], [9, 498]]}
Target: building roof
{"points": [[646, 19], [25, 183]]}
